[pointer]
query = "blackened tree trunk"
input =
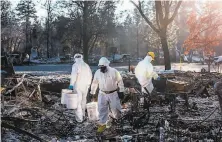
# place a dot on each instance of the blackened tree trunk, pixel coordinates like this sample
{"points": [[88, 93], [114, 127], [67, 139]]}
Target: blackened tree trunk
{"points": [[209, 64], [47, 40], [26, 35], [137, 41], [27, 39], [85, 38], [165, 48], [48, 28], [158, 55], [85, 50]]}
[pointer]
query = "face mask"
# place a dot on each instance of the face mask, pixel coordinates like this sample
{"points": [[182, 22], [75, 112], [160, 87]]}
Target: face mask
{"points": [[77, 59], [103, 69]]}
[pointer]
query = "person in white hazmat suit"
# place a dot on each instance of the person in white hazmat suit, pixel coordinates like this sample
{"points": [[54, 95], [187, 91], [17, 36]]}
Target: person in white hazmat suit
{"points": [[144, 73], [81, 78], [109, 81]]}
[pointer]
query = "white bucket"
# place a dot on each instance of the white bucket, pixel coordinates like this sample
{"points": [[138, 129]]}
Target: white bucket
{"points": [[64, 92], [71, 100], [92, 110]]}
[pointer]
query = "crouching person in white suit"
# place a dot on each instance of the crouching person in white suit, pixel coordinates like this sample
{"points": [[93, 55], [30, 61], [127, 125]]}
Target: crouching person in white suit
{"points": [[144, 73], [109, 81], [81, 78]]}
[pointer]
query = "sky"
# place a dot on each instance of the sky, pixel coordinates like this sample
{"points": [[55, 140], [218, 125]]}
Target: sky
{"points": [[41, 12]]}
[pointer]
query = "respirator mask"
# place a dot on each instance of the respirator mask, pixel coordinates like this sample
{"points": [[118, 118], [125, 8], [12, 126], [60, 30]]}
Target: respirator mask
{"points": [[103, 69], [77, 58]]}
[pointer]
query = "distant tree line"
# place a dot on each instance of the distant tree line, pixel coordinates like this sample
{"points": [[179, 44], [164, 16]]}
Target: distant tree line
{"points": [[94, 28]]}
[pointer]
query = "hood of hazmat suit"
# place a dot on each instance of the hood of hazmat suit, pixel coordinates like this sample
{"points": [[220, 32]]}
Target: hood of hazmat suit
{"points": [[104, 62], [78, 58], [81, 75], [144, 73]]}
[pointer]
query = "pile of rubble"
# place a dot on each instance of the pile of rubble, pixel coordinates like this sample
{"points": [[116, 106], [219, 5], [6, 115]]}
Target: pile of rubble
{"points": [[30, 113]]}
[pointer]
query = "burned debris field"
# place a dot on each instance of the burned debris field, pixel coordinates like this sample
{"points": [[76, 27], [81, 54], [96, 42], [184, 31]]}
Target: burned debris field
{"points": [[111, 71], [183, 108]]}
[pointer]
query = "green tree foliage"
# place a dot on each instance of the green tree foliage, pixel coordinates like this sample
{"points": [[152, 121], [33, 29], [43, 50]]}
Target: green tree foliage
{"points": [[26, 10], [91, 24], [5, 13]]}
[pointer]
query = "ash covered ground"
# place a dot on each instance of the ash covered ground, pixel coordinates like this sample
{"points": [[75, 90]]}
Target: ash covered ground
{"points": [[33, 113]]}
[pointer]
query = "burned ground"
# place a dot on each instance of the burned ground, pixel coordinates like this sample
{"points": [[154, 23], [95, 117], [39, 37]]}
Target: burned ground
{"points": [[187, 109]]}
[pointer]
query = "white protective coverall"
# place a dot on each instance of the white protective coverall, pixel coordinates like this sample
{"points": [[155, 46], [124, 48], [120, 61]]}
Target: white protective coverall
{"points": [[108, 81], [81, 78], [144, 73]]}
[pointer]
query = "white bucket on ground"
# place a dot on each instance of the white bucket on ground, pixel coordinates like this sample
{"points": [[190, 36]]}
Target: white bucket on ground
{"points": [[71, 100], [92, 110], [64, 92]]}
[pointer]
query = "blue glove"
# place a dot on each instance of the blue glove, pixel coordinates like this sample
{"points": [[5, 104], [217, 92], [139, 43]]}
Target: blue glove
{"points": [[70, 87], [158, 78]]}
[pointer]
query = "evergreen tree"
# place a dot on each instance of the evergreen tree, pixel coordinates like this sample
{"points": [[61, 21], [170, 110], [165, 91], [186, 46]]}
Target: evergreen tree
{"points": [[26, 11]]}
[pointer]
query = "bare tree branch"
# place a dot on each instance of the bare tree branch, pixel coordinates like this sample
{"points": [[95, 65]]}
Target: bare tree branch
{"points": [[93, 43], [78, 3], [145, 18], [157, 18], [167, 10], [175, 12], [159, 12]]}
